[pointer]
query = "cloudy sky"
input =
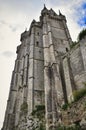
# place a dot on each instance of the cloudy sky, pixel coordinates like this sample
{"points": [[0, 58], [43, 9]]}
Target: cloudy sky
{"points": [[15, 16]]}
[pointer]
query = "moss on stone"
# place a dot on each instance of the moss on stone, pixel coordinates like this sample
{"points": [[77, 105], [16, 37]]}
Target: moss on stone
{"points": [[79, 94], [65, 106], [39, 111], [71, 127], [24, 109]]}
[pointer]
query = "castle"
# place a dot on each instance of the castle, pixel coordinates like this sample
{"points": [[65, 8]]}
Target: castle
{"points": [[46, 71]]}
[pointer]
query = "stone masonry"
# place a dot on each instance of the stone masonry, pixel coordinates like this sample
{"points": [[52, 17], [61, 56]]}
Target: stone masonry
{"points": [[46, 72]]}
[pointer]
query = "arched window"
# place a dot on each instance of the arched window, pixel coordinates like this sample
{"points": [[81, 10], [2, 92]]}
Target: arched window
{"points": [[66, 49], [37, 43], [38, 33]]}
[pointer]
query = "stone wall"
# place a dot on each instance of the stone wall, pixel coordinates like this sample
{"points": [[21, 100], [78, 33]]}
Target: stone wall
{"points": [[74, 68], [77, 65], [83, 51], [67, 79]]}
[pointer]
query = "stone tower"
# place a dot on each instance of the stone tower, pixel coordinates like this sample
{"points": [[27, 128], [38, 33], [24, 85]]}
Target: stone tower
{"points": [[42, 74]]}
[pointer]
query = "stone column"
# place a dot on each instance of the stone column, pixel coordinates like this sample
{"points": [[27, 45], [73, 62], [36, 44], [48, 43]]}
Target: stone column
{"points": [[67, 79], [12, 98], [63, 80], [48, 98], [19, 101], [25, 70], [25, 76], [54, 64], [30, 96], [47, 86], [51, 48], [57, 93], [19, 97], [21, 71]]}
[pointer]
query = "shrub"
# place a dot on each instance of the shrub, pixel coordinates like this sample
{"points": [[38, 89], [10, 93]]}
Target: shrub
{"points": [[65, 106], [40, 107], [73, 44], [60, 128], [39, 111], [73, 128], [24, 106], [79, 94], [42, 127], [24, 109]]}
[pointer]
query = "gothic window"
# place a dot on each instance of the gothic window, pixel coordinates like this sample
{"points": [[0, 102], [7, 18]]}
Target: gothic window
{"points": [[16, 79], [66, 49], [37, 43], [38, 33], [39, 51]]}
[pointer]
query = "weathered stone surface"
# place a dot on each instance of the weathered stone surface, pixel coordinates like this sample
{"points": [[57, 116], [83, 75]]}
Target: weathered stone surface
{"points": [[46, 73], [76, 112]]}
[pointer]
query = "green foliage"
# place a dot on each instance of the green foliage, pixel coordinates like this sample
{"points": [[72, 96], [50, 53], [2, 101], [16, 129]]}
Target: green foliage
{"points": [[39, 111], [84, 83], [40, 107], [73, 44], [75, 127], [82, 34], [85, 106], [15, 129], [24, 109], [41, 127], [79, 94], [65, 106], [61, 128], [24, 106]]}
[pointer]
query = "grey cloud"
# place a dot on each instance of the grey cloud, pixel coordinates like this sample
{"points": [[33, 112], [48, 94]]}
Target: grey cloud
{"points": [[8, 54], [3, 22], [13, 28]]}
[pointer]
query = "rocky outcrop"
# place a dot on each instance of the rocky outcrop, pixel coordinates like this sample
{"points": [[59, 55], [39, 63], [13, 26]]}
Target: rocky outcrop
{"points": [[75, 114]]}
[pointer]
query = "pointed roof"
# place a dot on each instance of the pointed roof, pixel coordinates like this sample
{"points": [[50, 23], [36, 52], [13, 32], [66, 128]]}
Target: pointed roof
{"points": [[60, 12], [44, 6], [45, 10]]}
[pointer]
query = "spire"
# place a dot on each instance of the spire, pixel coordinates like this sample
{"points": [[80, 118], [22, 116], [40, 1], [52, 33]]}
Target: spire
{"points": [[44, 3], [44, 6], [60, 13], [45, 10]]}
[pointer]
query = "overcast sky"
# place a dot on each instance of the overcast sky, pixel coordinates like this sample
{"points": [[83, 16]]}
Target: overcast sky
{"points": [[15, 16]]}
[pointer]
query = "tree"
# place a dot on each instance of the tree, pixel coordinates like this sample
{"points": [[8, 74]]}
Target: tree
{"points": [[82, 34]]}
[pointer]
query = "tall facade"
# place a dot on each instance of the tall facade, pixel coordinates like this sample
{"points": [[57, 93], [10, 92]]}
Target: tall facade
{"points": [[46, 71]]}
